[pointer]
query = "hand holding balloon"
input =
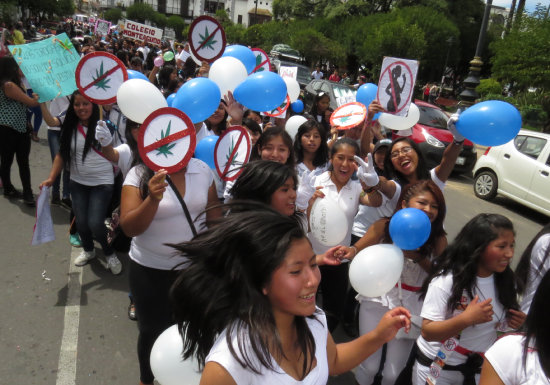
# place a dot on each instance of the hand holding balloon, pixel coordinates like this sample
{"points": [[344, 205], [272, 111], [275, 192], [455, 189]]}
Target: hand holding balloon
{"points": [[374, 108], [451, 126], [233, 108]]}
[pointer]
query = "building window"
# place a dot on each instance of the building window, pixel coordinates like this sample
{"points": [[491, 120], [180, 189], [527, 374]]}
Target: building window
{"points": [[213, 6], [240, 19]]}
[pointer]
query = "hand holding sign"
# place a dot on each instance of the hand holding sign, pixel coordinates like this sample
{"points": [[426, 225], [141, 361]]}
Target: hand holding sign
{"points": [[167, 140]]}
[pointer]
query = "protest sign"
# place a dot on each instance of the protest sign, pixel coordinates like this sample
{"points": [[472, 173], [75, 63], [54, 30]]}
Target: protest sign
{"points": [[396, 85], [48, 65], [348, 116], [262, 60], [206, 38], [288, 72], [142, 32], [99, 75], [232, 151], [279, 112], [102, 27], [167, 139]]}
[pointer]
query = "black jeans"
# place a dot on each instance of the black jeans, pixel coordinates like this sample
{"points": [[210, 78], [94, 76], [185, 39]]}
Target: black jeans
{"points": [[14, 143], [150, 289]]}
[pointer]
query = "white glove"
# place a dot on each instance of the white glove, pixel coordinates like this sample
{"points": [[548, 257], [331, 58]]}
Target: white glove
{"points": [[305, 190], [451, 126], [102, 134], [366, 172]]}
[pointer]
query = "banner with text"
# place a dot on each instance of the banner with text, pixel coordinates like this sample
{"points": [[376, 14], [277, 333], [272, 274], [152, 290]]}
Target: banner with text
{"points": [[142, 32], [49, 66]]}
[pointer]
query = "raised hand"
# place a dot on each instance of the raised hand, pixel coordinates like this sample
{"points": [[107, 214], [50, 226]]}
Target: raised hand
{"points": [[366, 172], [451, 126], [102, 134], [157, 185]]}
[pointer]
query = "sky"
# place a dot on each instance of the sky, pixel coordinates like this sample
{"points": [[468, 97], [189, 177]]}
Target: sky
{"points": [[529, 4]]}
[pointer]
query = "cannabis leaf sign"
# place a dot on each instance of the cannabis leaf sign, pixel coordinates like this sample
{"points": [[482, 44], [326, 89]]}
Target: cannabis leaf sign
{"points": [[102, 83], [228, 156], [207, 39], [258, 63], [165, 150]]}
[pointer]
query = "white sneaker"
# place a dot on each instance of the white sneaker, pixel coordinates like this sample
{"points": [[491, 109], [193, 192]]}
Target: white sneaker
{"points": [[84, 257], [114, 264]]}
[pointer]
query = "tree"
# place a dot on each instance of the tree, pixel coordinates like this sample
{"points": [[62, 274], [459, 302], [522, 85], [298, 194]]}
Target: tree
{"points": [[113, 15], [313, 45], [140, 12], [159, 19], [522, 56], [177, 24]]}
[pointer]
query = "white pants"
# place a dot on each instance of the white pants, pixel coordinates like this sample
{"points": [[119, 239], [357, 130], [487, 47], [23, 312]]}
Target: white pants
{"points": [[447, 377], [397, 352]]}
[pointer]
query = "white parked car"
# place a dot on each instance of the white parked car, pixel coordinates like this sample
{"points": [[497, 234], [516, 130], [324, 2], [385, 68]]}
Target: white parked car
{"points": [[519, 170]]}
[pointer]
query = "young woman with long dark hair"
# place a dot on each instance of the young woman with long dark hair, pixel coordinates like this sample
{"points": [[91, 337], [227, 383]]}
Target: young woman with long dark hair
{"points": [[92, 177], [13, 129], [523, 359], [469, 296], [310, 148], [321, 104], [245, 305], [532, 266]]}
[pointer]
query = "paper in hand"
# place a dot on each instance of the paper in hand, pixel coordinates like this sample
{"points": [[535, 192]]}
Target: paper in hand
{"points": [[43, 231]]}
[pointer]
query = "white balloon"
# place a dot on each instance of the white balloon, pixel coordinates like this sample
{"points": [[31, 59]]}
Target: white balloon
{"points": [[292, 125], [227, 72], [328, 222], [137, 98], [166, 361], [293, 89], [397, 123], [376, 269]]}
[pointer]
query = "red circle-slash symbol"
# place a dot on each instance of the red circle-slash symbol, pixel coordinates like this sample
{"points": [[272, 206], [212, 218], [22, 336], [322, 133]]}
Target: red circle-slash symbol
{"points": [[202, 23], [232, 170]]}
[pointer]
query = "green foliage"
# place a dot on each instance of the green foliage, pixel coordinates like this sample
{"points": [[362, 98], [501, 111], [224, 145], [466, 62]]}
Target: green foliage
{"points": [[290, 9], [349, 8], [223, 18], [533, 114], [8, 12], [63, 7], [113, 15], [235, 33], [313, 45], [140, 12], [177, 24], [489, 86], [522, 56], [160, 20], [266, 35]]}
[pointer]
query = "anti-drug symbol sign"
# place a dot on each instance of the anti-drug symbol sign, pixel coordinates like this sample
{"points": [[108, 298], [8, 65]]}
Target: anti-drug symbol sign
{"points": [[206, 38], [279, 112], [348, 116], [396, 85], [232, 151], [262, 61], [98, 77], [167, 140]]}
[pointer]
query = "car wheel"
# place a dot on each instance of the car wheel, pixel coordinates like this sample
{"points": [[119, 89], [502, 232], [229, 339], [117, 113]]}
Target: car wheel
{"points": [[485, 185]]}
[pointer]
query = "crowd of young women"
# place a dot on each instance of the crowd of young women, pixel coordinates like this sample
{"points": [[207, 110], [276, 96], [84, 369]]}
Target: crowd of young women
{"points": [[242, 279]]}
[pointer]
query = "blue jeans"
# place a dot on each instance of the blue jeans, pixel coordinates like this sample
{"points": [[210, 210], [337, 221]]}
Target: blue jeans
{"points": [[53, 141], [37, 112], [90, 204]]}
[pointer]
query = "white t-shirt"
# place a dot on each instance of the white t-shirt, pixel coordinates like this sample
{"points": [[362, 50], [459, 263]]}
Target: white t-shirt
{"points": [[203, 132], [169, 224], [95, 170], [535, 272], [125, 158], [317, 75], [347, 199], [58, 108], [301, 168], [477, 338], [506, 357], [243, 376]]}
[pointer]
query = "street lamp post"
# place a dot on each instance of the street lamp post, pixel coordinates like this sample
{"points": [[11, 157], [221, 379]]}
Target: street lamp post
{"points": [[469, 95]]}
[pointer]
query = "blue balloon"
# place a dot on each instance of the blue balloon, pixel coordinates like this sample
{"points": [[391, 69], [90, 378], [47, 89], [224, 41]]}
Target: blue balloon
{"points": [[205, 150], [490, 123], [244, 54], [297, 106], [132, 74], [198, 98], [170, 99], [262, 91], [410, 228], [366, 94]]}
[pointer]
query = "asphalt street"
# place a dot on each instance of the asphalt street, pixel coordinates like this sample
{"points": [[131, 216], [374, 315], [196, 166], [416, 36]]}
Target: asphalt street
{"points": [[63, 325]]}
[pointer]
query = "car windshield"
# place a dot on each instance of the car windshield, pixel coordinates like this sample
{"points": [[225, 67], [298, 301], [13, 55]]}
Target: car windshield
{"points": [[342, 91], [432, 117], [285, 49]]}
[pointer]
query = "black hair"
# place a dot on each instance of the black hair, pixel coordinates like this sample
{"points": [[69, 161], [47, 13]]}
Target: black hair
{"points": [[252, 125], [136, 61], [422, 171], [344, 142], [221, 288], [69, 131], [463, 256], [248, 112], [9, 71], [321, 155], [314, 112], [132, 143], [524, 266], [536, 326], [164, 75], [260, 179], [266, 137], [221, 126]]}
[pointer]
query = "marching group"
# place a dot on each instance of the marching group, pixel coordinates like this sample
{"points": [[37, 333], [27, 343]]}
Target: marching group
{"points": [[255, 294]]}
